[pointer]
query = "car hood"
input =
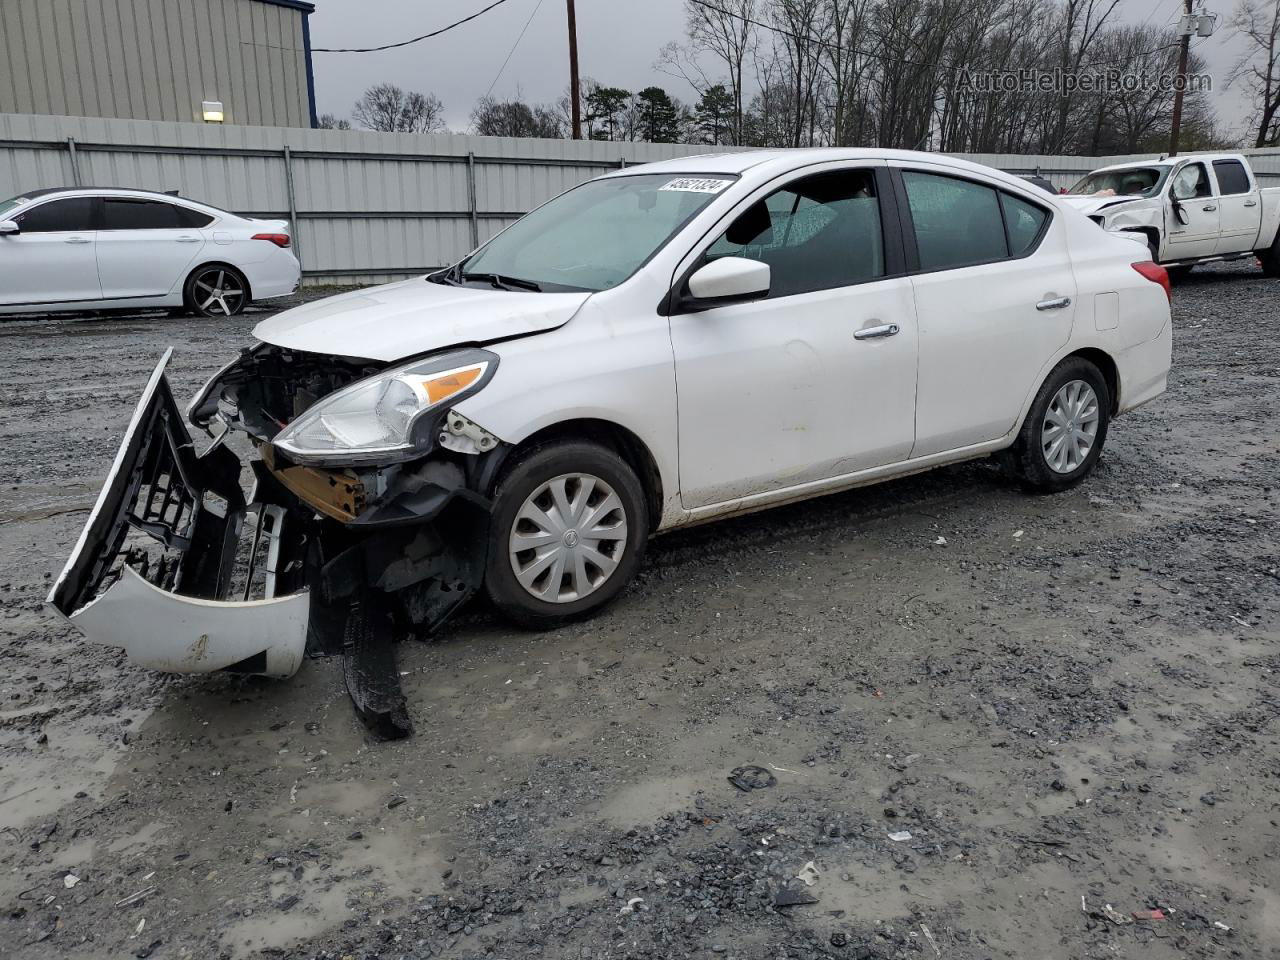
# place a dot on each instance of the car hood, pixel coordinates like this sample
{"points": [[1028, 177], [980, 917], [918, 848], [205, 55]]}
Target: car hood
{"points": [[1088, 205], [412, 317]]}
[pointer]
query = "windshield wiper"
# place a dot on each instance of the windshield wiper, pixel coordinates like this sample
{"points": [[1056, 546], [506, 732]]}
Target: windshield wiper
{"points": [[503, 282]]}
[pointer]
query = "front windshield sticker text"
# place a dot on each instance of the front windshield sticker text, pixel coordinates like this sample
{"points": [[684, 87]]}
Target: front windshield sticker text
{"points": [[696, 185]]}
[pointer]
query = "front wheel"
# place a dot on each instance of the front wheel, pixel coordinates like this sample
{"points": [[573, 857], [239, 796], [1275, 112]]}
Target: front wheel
{"points": [[216, 291], [568, 528], [1066, 427]]}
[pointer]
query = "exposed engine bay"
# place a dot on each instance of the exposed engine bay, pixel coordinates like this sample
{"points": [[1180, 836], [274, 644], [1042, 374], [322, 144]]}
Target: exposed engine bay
{"points": [[188, 571]]}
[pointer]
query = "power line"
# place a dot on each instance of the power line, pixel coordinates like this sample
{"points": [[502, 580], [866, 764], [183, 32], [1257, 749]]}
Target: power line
{"points": [[880, 56], [405, 43], [512, 51]]}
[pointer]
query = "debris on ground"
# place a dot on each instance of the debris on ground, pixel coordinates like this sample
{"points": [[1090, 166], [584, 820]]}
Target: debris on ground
{"points": [[808, 873], [751, 777]]}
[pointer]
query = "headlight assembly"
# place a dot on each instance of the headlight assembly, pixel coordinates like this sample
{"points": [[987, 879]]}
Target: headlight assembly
{"points": [[388, 417]]}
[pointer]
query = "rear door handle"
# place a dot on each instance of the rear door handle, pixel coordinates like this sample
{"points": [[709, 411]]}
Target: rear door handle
{"points": [[188, 239], [871, 333], [1057, 303], [77, 240], [1251, 203]]}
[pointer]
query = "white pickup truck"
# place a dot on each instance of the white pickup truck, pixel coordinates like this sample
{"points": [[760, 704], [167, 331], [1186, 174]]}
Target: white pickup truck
{"points": [[1191, 209]]}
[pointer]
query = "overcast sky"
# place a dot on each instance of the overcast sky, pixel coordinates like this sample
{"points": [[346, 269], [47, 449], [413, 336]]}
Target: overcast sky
{"points": [[618, 42]]}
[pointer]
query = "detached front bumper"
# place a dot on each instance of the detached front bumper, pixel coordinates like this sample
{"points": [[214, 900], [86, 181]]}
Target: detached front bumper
{"points": [[172, 552]]}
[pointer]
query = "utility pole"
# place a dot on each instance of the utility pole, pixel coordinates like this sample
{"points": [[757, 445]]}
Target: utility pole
{"points": [[1176, 127], [573, 70]]}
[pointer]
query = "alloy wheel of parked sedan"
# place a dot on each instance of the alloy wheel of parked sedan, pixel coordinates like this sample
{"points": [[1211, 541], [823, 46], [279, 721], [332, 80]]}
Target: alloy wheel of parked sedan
{"points": [[217, 291], [1070, 426], [568, 538]]}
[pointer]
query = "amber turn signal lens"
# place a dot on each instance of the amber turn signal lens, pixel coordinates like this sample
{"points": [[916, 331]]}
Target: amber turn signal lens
{"points": [[446, 386]]}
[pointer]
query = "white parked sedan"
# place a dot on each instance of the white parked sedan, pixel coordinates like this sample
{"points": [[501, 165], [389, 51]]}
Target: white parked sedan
{"points": [[662, 346], [98, 249]]}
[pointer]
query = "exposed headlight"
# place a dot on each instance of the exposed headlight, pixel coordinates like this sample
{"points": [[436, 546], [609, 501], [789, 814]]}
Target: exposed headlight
{"points": [[388, 417]]}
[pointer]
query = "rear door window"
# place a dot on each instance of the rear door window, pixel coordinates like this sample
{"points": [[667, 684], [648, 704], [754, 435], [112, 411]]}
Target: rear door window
{"points": [[1023, 221], [957, 222], [126, 213], [1232, 177], [70, 214]]}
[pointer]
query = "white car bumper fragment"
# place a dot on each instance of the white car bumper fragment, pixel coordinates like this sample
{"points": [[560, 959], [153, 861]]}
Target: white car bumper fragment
{"points": [[157, 487]]}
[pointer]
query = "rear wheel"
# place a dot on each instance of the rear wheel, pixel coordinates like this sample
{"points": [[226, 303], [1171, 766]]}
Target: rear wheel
{"points": [[569, 525], [1178, 274], [1066, 427], [216, 291], [1270, 259]]}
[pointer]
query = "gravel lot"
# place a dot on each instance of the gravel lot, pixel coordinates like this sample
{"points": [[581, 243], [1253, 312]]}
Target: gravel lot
{"points": [[1069, 703]]}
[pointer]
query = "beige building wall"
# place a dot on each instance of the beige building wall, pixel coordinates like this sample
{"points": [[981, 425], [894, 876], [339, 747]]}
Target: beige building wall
{"points": [[157, 59]]}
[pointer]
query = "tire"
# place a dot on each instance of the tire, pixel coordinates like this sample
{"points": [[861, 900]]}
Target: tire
{"points": [[1270, 259], [1035, 461], [544, 478], [1178, 274], [216, 290], [1153, 248]]}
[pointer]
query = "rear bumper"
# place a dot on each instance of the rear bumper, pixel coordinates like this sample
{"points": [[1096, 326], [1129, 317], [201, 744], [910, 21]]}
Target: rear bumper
{"points": [[278, 275], [160, 557], [1144, 369]]}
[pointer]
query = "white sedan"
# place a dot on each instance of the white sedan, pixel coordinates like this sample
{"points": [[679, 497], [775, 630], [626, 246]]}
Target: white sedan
{"points": [[662, 346], [97, 249]]}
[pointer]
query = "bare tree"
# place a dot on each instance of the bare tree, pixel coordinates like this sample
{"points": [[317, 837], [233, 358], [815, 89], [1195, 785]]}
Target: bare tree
{"points": [[327, 121], [725, 31], [515, 118], [1258, 21], [390, 109]]}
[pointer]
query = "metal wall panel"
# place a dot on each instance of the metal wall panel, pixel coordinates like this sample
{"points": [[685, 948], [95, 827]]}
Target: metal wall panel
{"points": [[154, 59], [369, 206]]}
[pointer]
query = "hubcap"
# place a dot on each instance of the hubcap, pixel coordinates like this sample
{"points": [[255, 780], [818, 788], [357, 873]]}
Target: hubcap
{"points": [[217, 290], [568, 538], [1070, 426]]}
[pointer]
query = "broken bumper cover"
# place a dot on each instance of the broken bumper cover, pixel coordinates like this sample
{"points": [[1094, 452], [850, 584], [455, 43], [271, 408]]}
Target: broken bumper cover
{"points": [[175, 613]]}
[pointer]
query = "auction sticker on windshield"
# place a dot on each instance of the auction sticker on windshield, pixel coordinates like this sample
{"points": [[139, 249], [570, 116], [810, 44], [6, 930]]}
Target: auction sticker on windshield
{"points": [[696, 184]]}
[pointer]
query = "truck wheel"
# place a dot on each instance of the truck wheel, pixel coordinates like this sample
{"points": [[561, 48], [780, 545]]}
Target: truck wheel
{"points": [[1062, 437], [1270, 259], [1154, 248], [1178, 274], [568, 528]]}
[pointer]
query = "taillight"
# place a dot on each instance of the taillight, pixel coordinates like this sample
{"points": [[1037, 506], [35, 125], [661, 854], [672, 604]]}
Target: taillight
{"points": [[279, 239], [1156, 274]]}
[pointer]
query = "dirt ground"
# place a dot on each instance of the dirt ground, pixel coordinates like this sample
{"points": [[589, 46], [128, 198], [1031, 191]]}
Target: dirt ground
{"points": [[1069, 703]]}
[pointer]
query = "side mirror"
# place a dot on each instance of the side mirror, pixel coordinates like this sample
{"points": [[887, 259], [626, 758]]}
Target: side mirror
{"points": [[727, 280], [9, 227]]}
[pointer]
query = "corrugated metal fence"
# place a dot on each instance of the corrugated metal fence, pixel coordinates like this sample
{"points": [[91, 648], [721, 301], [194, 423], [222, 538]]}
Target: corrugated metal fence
{"points": [[365, 206]]}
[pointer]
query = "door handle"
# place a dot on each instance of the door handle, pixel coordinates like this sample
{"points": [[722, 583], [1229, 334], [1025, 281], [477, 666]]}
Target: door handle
{"points": [[1251, 203], [1057, 303], [1209, 207], [77, 240], [871, 333], [188, 239]]}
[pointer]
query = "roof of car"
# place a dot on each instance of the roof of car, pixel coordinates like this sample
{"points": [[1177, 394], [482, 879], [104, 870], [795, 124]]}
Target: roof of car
{"points": [[777, 161], [106, 191]]}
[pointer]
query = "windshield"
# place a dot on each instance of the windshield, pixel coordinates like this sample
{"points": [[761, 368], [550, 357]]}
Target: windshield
{"points": [[596, 235], [1129, 182], [11, 203]]}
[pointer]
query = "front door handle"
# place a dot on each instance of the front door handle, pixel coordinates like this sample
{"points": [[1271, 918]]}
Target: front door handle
{"points": [[1057, 303], [188, 239], [1209, 207], [77, 240], [871, 333]]}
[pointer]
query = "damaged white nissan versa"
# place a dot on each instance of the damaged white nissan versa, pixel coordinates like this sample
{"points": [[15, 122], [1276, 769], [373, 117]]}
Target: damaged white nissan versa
{"points": [[668, 344]]}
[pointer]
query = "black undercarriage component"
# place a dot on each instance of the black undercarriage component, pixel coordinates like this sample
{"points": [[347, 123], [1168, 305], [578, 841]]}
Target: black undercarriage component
{"points": [[369, 667]]}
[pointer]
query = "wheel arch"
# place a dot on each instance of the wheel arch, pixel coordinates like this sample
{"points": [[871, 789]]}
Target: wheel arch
{"points": [[205, 264], [1106, 364], [622, 441]]}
